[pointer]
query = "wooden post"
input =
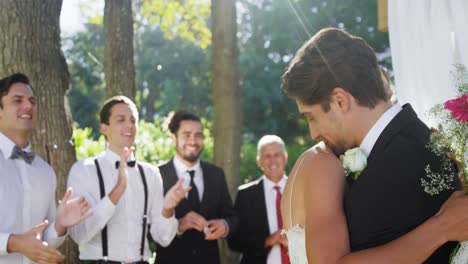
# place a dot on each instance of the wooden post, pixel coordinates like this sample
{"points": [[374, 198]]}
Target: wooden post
{"points": [[382, 11]]}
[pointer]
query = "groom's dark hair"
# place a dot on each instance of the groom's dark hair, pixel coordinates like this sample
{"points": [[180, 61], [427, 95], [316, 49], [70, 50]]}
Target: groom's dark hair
{"points": [[333, 58]]}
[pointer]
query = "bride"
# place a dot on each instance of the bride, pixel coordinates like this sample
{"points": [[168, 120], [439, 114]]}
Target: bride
{"points": [[313, 197]]}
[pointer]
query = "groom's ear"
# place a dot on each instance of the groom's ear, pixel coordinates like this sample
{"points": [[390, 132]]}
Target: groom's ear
{"points": [[341, 99]]}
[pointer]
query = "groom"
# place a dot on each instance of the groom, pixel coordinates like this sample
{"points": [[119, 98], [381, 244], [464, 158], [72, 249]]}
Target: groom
{"points": [[337, 85]]}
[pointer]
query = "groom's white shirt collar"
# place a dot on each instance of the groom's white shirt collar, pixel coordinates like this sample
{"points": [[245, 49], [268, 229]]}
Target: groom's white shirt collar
{"points": [[369, 140]]}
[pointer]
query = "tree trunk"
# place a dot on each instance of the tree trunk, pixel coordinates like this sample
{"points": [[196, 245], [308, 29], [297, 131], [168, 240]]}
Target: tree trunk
{"points": [[30, 43], [119, 67], [226, 97]]}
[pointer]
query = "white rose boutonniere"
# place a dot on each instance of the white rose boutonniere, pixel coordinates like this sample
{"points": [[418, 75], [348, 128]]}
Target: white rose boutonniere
{"points": [[354, 161]]}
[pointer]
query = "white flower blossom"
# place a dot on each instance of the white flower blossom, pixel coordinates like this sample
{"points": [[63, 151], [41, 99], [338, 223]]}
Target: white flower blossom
{"points": [[354, 161]]}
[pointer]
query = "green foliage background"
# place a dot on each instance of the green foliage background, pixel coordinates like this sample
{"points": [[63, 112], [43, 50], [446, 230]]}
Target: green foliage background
{"points": [[172, 49]]}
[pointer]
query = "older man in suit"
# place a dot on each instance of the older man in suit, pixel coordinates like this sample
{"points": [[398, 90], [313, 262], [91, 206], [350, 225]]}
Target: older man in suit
{"points": [[207, 212], [258, 236]]}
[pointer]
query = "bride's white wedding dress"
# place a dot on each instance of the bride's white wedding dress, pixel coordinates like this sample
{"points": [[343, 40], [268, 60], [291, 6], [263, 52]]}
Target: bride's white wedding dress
{"points": [[296, 237], [296, 244]]}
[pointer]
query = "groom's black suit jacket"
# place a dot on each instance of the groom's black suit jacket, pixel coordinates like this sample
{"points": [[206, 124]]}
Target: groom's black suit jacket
{"points": [[253, 226], [191, 246], [387, 200]]}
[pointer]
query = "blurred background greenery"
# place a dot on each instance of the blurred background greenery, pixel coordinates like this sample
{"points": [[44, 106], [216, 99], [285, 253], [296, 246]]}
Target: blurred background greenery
{"points": [[172, 63]]}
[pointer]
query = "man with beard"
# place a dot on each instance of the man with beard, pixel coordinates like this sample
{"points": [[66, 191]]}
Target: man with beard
{"points": [[207, 212]]}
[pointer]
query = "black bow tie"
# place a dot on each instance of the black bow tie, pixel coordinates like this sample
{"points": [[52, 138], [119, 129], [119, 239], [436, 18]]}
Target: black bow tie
{"points": [[129, 164], [17, 153]]}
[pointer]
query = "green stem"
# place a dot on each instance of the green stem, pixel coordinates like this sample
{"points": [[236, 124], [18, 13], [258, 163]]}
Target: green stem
{"points": [[462, 165]]}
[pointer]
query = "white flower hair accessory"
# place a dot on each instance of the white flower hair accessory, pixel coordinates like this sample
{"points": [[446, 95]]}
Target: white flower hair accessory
{"points": [[354, 161]]}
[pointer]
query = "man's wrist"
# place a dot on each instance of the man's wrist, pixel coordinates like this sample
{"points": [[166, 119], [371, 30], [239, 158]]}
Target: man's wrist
{"points": [[227, 228], [116, 193], [12, 244], [180, 231], [60, 229], [437, 226], [167, 213]]}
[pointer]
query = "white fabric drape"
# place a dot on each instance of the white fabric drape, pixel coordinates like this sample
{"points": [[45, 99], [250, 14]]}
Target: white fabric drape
{"points": [[426, 38]]}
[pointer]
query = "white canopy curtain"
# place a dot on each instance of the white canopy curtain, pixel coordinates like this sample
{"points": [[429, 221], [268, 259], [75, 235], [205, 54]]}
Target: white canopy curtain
{"points": [[426, 38]]}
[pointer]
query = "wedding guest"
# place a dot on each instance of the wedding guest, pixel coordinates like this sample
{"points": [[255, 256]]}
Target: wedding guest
{"points": [[126, 194], [30, 225], [207, 213], [258, 235]]}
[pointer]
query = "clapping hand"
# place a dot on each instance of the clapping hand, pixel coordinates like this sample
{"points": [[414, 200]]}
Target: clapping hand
{"points": [[70, 212], [29, 245], [123, 175], [122, 179], [174, 196]]}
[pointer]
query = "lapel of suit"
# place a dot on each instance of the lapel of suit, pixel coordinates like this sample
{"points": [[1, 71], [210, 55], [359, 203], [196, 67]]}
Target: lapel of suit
{"points": [[261, 210], [170, 179], [400, 121], [170, 176], [209, 189]]}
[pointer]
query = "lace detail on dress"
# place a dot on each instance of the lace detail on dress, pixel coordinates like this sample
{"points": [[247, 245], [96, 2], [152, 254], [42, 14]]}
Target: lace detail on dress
{"points": [[296, 244], [461, 257]]}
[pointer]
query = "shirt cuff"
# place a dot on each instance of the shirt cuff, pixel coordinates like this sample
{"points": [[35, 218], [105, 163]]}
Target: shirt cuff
{"points": [[170, 221], [107, 205], [3, 243], [179, 233], [227, 228], [51, 236], [166, 232]]}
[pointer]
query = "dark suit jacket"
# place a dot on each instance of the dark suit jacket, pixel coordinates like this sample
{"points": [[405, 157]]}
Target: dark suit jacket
{"points": [[191, 246], [253, 226], [388, 200]]}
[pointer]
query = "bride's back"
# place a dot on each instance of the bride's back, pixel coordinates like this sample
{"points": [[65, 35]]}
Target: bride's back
{"points": [[303, 194], [292, 203], [294, 196]]}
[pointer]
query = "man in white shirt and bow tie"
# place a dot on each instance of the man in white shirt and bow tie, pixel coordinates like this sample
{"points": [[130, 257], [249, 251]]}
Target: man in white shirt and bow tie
{"points": [[27, 185], [126, 195]]}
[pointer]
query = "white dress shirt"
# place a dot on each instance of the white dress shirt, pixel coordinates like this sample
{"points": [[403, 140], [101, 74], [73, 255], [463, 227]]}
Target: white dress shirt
{"points": [[181, 171], [27, 198], [274, 257], [124, 220], [373, 134]]}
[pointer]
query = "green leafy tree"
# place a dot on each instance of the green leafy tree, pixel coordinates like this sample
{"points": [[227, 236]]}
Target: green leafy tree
{"points": [[172, 74], [85, 52], [270, 33]]}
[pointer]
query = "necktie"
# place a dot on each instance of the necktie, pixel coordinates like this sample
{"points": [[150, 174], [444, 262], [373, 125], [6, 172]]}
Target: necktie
{"points": [[129, 163], [193, 194], [17, 153], [284, 251]]}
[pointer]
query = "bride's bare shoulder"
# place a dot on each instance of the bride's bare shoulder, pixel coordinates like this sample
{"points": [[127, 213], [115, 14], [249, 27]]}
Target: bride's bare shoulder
{"points": [[317, 160], [317, 154]]}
